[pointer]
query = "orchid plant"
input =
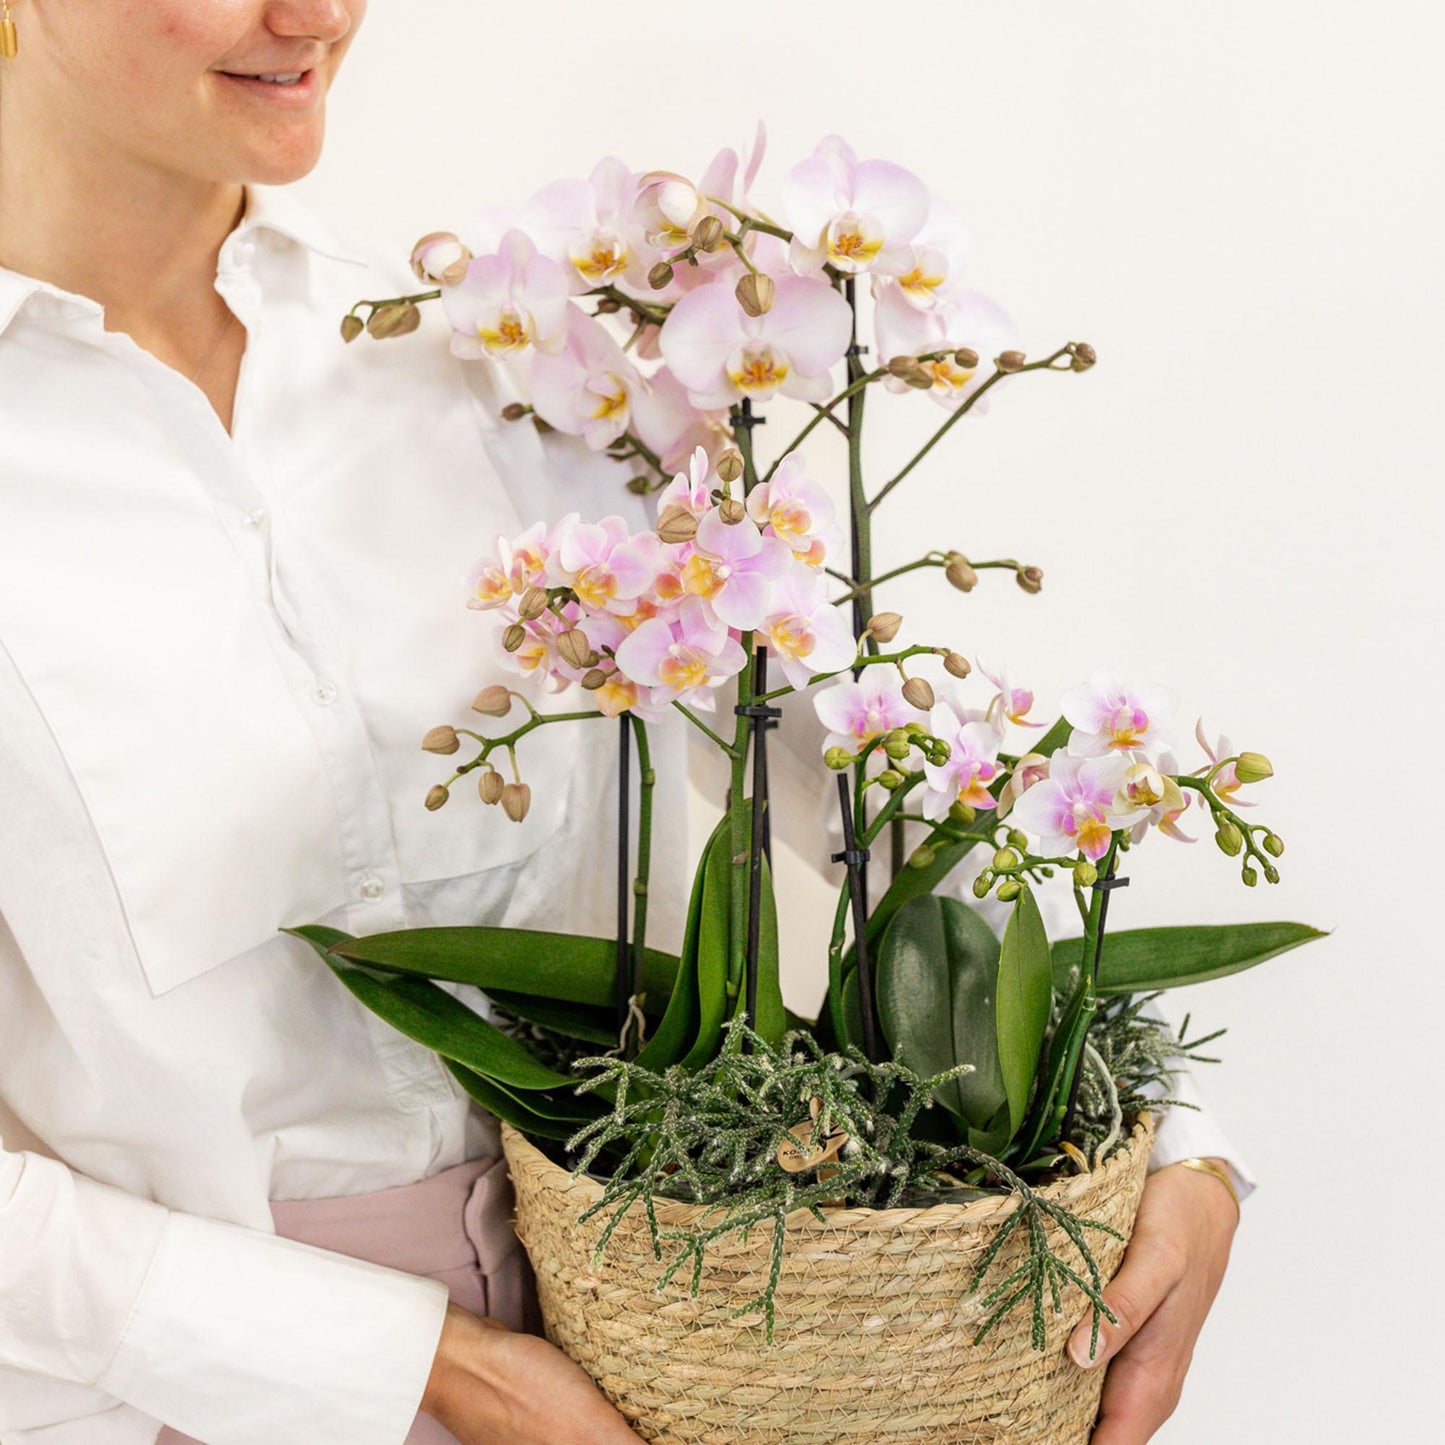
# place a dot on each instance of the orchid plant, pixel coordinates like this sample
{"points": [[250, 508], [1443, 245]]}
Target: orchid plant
{"points": [[653, 318]]}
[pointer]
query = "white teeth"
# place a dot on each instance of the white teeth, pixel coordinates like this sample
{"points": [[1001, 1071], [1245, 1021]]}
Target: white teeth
{"points": [[289, 78]]}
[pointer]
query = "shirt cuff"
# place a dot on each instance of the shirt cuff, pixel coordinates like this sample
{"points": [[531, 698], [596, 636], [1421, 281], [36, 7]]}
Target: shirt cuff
{"points": [[238, 1336]]}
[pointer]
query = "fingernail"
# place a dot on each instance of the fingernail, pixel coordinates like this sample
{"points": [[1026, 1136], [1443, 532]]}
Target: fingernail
{"points": [[1079, 1349]]}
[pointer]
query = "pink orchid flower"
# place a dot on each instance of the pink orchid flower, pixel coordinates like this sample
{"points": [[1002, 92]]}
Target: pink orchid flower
{"points": [[1030, 769], [1225, 784], [590, 229], [854, 215], [857, 711], [1149, 797], [1010, 704], [806, 632], [603, 563], [972, 763], [691, 489], [672, 426], [734, 569], [1113, 717], [721, 354], [538, 658], [587, 389], [968, 319], [1072, 810], [796, 511], [518, 563], [508, 303], [675, 656], [936, 258]]}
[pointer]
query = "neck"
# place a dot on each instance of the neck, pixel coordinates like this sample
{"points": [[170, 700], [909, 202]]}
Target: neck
{"points": [[141, 242]]}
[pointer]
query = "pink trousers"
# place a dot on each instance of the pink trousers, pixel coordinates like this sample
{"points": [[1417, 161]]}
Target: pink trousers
{"points": [[455, 1227]]}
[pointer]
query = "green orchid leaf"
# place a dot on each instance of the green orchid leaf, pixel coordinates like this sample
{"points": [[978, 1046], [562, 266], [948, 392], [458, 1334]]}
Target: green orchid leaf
{"points": [[1025, 996], [506, 1106], [575, 1020], [1141, 960], [567, 967], [938, 975], [427, 1013]]}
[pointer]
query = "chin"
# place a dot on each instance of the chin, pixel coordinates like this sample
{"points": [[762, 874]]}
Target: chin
{"points": [[283, 159]]}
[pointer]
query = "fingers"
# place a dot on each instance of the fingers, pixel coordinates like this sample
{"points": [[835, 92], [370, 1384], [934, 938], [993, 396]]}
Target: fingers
{"points": [[1152, 1267], [1140, 1394]]}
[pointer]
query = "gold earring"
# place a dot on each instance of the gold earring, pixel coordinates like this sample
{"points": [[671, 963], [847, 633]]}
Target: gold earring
{"points": [[8, 42]]}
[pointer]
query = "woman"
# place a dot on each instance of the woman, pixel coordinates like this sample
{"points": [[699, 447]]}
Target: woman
{"points": [[228, 560]]}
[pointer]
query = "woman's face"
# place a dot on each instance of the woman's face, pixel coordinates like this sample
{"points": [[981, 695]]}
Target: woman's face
{"points": [[171, 83]]}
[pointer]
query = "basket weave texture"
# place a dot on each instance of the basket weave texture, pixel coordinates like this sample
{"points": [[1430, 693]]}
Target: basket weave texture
{"points": [[875, 1320]]}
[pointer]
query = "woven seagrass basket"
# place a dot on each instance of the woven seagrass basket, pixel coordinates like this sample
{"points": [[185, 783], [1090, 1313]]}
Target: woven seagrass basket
{"points": [[875, 1321]]}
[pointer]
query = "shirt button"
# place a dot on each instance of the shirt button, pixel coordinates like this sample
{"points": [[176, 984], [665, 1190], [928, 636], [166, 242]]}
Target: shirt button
{"points": [[324, 694], [256, 517], [372, 889]]}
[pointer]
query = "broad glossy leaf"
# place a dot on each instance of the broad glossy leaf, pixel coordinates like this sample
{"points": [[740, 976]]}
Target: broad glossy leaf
{"points": [[1025, 995], [568, 967], [937, 979], [575, 1020], [430, 1015], [1141, 960], [505, 1106]]}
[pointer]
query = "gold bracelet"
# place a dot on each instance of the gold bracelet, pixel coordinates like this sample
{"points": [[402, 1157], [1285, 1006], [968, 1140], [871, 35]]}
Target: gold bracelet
{"points": [[1208, 1166]]}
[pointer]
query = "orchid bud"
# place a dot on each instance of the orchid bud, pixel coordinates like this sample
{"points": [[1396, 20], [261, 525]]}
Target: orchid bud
{"points": [[441, 739], [838, 758], [516, 799], [1271, 873], [707, 235], [1008, 361], [755, 293], [440, 257], [1230, 839], [608, 306], [1005, 859], [533, 603], [1031, 579], [1085, 874], [489, 786], [960, 573], [351, 327], [920, 380], [900, 366], [922, 856], [966, 357], [1018, 840], [1274, 845], [961, 812], [1082, 356], [639, 486], [1253, 768], [388, 320], [514, 411], [594, 678], [676, 524], [574, 648], [436, 797], [897, 744], [731, 511], [890, 780], [542, 425], [1008, 890], [494, 701], [956, 664], [1248, 876], [981, 885], [660, 276], [918, 692], [939, 751], [514, 637], [730, 465], [884, 625]]}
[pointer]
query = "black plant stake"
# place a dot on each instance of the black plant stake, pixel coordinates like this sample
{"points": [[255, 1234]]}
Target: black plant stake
{"points": [[855, 857], [759, 716], [626, 985]]}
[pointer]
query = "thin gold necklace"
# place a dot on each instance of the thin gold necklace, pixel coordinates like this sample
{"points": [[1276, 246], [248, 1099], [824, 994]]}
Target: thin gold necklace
{"points": [[196, 374]]}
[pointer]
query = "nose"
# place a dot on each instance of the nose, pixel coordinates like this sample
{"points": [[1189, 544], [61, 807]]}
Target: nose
{"points": [[325, 20]]}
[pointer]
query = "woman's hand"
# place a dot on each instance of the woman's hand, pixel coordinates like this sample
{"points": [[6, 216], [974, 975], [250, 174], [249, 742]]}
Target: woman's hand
{"points": [[1171, 1272], [490, 1384]]}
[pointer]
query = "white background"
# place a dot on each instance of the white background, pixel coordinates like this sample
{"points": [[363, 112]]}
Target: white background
{"points": [[1238, 205]]}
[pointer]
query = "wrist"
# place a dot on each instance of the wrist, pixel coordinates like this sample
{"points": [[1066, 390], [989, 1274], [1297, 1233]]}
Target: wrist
{"points": [[1218, 1170]]}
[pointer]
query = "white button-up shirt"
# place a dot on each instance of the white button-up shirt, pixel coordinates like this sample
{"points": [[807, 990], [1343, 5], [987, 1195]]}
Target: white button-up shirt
{"points": [[218, 654]]}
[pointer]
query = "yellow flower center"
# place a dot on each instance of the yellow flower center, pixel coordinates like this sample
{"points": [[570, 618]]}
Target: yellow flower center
{"points": [[603, 258], [510, 331], [682, 668], [595, 586]]}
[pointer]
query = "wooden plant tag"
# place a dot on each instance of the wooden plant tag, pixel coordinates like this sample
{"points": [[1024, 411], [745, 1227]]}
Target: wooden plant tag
{"points": [[801, 1153]]}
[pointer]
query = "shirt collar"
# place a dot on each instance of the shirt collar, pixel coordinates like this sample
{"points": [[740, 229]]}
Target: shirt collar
{"points": [[276, 209]]}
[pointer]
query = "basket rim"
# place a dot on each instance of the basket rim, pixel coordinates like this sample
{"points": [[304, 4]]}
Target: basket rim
{"points": [[524, 1157]]}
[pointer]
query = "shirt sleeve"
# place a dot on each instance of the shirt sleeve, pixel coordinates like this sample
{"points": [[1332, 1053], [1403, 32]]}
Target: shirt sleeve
{"points": [[228, 1334]]}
